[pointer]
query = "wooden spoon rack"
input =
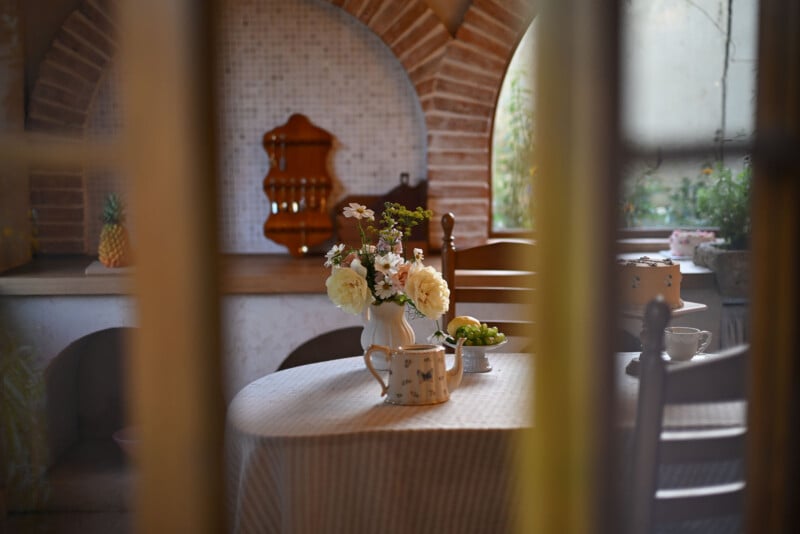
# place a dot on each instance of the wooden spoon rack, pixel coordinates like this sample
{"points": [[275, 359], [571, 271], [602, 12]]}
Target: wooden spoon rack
{"points": [[298, 185]]}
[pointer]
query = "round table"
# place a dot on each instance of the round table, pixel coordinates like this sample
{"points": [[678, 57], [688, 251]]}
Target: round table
{"points": [[315, 449]]}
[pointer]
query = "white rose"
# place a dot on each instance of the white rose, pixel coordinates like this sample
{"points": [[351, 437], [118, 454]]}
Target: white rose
{"points": [[428, 291], [348, 290]]}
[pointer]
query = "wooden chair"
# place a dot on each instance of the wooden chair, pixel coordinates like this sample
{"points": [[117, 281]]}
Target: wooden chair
{"points": [[718, 379], [333, 345], [498, 272]]}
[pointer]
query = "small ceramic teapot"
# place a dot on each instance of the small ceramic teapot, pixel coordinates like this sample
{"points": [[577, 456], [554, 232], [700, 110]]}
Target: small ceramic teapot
{"points": [[417, 373]]}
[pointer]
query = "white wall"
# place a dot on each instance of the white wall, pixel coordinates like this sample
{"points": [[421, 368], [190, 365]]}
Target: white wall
{"points": [[49, 323]]}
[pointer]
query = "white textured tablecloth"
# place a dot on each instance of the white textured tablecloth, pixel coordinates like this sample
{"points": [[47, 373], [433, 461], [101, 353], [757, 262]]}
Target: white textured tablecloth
{"points": [[314, 449]]}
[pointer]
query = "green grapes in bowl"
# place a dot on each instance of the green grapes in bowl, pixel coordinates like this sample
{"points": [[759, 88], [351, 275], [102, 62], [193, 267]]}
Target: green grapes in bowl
{"points": [[478, 339], [477, 335]]}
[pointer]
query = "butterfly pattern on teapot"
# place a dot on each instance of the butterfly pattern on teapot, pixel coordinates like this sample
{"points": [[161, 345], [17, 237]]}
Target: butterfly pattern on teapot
{"points": [[427, 375]]}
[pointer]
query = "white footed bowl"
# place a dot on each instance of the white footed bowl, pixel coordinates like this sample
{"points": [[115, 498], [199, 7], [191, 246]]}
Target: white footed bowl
{"points": [[475, 359]]}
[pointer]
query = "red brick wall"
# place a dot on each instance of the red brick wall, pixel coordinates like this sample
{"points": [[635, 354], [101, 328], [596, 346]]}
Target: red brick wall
{"points": [[59, 105], [457, 79], [58, 201]]}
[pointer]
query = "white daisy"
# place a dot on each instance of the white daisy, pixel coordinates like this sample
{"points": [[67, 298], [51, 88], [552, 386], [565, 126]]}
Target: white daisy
{"points": [[384, 288], [358, 211], [388, 263], [332, 255]]}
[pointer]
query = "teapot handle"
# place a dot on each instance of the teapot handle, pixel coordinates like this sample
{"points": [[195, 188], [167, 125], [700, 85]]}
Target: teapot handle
{"points": [[368, 361]]}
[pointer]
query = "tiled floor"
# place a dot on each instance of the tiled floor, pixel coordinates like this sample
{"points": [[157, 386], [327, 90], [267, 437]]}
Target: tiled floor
{"points": [[68, 523]]}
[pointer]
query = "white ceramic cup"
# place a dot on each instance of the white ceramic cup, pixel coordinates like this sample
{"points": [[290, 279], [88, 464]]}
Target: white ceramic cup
{"points": [[683, 342]]}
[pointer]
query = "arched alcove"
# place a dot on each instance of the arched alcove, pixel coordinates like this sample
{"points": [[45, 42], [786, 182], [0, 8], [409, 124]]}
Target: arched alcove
{"points": [[85, 404], [456, 79]]}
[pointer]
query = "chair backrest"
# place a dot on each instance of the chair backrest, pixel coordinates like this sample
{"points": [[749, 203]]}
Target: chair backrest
{"points": [[696, 452], [340, 343], [499, 272]]}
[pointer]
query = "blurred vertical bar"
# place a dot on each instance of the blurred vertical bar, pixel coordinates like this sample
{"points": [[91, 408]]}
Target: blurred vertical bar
{"points": [[166, 62], [569, 482], [773, 461], [15, 229]]}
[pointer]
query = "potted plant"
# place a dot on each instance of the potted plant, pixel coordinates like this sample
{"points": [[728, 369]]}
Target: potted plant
{"points": [[23, 460], [725, 203]]}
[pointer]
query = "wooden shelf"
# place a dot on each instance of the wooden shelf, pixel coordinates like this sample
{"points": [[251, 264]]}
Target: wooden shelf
{"points": [[65, 275], [241, 274]]}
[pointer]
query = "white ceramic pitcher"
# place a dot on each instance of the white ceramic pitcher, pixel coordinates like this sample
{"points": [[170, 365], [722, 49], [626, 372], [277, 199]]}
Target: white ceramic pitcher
{"points": [[417, 373]]}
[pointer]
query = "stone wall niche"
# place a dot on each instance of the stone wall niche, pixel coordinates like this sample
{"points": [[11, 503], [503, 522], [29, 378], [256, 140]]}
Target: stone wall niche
{"points": [[85, 406]]}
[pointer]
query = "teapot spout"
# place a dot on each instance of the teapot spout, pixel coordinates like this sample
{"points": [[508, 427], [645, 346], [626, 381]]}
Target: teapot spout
{"points": [[456, 373]]}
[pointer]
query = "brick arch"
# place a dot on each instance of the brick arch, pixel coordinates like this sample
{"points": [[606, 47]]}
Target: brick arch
{"points": [[457, 79], [62, 97], [72, 69], [460, 109]]}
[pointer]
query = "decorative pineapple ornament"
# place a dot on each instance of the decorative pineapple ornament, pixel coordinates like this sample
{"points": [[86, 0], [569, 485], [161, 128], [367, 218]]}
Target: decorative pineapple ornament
{"points": [[114, 249]]}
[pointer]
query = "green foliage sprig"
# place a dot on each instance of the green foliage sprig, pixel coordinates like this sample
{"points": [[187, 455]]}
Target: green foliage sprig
{"points": [[22, 432], [683, 207], [514, 169], [637, 206], [397, 221], [716, 197], [726, 205]]}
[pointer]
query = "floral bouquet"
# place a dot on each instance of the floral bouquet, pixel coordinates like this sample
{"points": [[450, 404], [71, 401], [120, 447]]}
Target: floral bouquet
{"points": [[380, 272]]}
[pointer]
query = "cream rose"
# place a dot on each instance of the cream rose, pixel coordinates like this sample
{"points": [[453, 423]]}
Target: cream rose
{"points": [[348, 290], [428, 291]]}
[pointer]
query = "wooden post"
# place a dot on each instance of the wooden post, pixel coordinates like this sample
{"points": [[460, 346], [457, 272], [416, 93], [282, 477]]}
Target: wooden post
{"points": [[571, 481], [176, 370]]}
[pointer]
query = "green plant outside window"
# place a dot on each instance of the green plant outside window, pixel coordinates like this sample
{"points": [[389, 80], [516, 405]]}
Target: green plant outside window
{"points": [[717, 197], [514, 168]]}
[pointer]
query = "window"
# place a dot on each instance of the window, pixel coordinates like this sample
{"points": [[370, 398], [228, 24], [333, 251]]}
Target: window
{"points": [[688, 86], [689, 78], [512, 143]]}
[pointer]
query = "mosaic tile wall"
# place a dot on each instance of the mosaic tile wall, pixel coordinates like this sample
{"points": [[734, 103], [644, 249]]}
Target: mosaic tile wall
{"points": [[281, 57]]}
